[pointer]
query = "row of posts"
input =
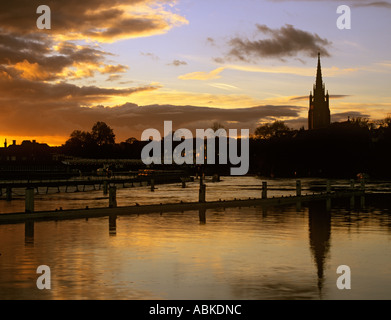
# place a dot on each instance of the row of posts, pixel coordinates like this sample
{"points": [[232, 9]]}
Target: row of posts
{"points": [[112, 190], [298, 187], [29, 198]]}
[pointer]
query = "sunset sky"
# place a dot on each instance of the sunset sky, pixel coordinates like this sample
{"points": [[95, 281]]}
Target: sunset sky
{"points": [[137, 63]]}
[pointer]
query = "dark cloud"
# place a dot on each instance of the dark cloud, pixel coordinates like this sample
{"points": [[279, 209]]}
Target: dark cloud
{"points": [[48, 55], [178, 63], [218, 60], [97, 19], [39, 57], [42, 108], [284, 42], [211, 41], [150, 55], [353, 3], [332, 96], [58, 109], [378, 4], [25, 90]]}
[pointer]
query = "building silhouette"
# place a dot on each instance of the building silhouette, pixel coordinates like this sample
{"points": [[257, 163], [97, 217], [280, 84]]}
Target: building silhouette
{"points": [[319, 112]]}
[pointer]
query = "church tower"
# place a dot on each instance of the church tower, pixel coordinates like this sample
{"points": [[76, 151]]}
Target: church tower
{"points": [[319, 112]]}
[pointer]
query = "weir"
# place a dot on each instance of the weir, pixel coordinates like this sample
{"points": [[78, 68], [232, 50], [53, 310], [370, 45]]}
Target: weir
{"points": [[113, 209]]}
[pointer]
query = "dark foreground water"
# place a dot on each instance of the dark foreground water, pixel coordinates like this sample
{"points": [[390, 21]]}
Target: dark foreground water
{"points": [[284, 252]]}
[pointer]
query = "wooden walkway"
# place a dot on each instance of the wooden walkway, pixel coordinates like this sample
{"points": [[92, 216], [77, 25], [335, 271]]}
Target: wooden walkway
{"points": [[80, 184], [21, 217]]}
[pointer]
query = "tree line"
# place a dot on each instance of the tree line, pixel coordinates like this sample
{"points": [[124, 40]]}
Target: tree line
{"points": [[344, 149]]}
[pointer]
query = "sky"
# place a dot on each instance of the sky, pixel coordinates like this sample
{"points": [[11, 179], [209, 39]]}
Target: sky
{"points": [[137, 63]]}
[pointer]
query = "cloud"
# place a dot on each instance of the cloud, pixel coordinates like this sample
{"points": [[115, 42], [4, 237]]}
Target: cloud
{"points": [[58, 109], [332, 96], [33, 91], [93, 19], [378, 4], [284, 42], [224, 86], [343, 116], [214, 74], [37, 66], [131, 120], [300, 71], [178, 63], [150, 55], [48, 55], [40, 108], [114, 77], [37, 57], [211, 41], [353, 3], [113, 69]]}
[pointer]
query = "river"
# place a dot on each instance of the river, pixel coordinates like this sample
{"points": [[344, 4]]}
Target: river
{"points": [[255, 253]]}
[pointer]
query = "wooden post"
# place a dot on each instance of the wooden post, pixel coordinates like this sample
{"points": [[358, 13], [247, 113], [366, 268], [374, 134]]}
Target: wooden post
{"points": [[298, 206], [152, 185], [264, 190], [298, 188], [9, 193], [183, 183], [362, 185], [29, 200], [202, 192], [328, 204], [352, 200], [105, 187], [328, 186], [352, 184], [113, 197]]}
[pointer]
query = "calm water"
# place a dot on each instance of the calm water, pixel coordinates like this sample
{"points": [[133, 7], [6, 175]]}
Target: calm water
{"points": [[281, 252]]}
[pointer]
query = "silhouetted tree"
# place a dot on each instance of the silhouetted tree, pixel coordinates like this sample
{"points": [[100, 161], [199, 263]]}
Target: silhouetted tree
{"points": [[385, 123], [216, 126], [276, 129], [131, 140], [78, 143], [362, 123], [102, 134]]}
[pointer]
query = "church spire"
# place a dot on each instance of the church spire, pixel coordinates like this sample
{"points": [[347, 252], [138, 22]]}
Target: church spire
{"points": [[319, 81], [319, 112]]}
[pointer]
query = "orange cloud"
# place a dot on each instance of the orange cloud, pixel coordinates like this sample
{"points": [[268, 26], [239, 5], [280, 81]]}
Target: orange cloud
{"points": [[113, 69], [203, 75], [32, 71], [97, 20]]}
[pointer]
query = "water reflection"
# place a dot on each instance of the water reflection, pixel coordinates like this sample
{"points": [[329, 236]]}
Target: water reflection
{"points": [[248, 253], [202, 215], [113, 225], [29, 233], [319, 226]]}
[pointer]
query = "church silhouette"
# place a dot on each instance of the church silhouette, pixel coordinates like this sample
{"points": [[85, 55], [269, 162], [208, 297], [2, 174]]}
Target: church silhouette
{"points": [[319, 112]]}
